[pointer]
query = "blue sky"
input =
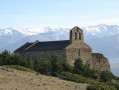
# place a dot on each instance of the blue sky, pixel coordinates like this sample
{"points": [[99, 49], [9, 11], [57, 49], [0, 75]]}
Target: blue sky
{"points": [[58, 13]]}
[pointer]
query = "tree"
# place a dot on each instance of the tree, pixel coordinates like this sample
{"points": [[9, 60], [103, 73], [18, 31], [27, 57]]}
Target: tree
{"points": [[88, 72], [0, 62], [56, 63], [105, 76], [66, 66], [5, 57], [24, 62], [78, 66], [15, 59], [84, 70], [31, 63], [43, 66]]}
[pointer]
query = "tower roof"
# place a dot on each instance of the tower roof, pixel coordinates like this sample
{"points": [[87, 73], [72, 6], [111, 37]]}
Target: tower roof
{"points": [[76, 27]]}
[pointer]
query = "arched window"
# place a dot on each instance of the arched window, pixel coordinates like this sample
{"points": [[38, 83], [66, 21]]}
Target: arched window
{"points": [[79, 36], [75, 36]]}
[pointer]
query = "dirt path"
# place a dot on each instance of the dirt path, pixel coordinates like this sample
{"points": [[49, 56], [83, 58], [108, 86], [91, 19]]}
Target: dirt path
{"points": [[21, 80]]}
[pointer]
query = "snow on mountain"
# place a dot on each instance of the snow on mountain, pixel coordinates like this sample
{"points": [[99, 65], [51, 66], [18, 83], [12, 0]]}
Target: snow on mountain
{"points": [[100, 31], [15, 37], [102, 38]]}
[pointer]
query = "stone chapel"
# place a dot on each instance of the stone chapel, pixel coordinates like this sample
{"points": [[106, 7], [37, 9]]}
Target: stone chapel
{"points": [[69, 50]]}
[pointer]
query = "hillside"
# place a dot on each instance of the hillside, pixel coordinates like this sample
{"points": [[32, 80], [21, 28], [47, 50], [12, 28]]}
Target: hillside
{"points": [[22, 80]]}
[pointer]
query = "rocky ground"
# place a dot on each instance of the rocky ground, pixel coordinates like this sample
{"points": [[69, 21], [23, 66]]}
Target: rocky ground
{"points": [[21, 80]]}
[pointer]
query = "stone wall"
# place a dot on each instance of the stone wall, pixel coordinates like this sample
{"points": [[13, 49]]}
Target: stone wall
{"points": [[42, 54], [78, 50], [81, 50]]}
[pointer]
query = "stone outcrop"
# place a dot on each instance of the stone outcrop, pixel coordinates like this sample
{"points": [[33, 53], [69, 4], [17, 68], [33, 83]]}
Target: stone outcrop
{"points": [[68, 50], [99, 62]]}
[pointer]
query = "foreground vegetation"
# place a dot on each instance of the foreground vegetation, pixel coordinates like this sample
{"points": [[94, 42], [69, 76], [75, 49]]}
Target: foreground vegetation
{"points": [[55, 66], [20, 68]]}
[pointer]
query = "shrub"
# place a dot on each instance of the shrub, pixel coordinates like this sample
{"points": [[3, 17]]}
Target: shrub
{"points": [[78, 66], [75, 77], [0, 62], [105, 76], [30, 63], [24, 62], [116, 84], [43, 66], [15, 59], [20, 68], [101, 86], [56, 63], [5, 57], [66, 66], [84, 70]]}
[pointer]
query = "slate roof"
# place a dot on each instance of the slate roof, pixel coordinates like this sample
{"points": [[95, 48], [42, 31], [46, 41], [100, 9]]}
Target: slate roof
{"points": [[42, 46], [22, 48]]}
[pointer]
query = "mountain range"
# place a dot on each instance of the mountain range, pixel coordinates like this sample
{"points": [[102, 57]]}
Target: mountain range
{"points": [[102, 38]]}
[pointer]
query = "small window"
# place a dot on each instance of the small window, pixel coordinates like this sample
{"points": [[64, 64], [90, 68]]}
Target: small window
{"points": [[99, 59], [75, 36], [79, 35]]}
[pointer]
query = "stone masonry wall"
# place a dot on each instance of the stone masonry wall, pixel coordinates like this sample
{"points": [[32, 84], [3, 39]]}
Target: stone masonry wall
{"points": [[78, 50], [47, 54]]}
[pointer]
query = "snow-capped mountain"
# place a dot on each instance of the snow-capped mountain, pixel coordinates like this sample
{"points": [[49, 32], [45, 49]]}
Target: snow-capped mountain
{"points": [[102, 38], [94, 34], [100, 31]]}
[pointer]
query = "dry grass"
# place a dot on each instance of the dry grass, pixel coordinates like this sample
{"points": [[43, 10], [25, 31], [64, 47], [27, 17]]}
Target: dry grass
{"points": [[23, 80]]}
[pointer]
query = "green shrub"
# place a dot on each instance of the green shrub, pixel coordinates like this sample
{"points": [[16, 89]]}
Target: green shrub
{"points": [[5, 57], [20, 68], [75, 77], [30, 63], [66, 66], [0, 62], [15, 59], [105, 76], [43, 66], [101, 86], [116, 84], [84, 70], [56, 63], [78, 66]]}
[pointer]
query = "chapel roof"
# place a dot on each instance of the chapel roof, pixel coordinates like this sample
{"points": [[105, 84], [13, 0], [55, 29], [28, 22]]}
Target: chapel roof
{"points": [[42, 46]]}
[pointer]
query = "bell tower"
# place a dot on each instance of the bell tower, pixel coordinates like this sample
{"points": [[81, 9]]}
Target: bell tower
{"points": [[76, 35]]}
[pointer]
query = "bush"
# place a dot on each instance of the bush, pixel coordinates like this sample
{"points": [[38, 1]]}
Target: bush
{"points": [[30, 63], [101, 86], [116, 84], [66, 66], [78, 66], [0, 62], [20, 68], [15, 59], [84, 70], [56, 63], [24, 62], [75, 77], [5, 57], [105, 76], [43, 66]]}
